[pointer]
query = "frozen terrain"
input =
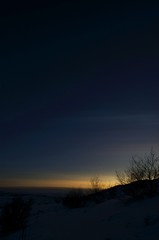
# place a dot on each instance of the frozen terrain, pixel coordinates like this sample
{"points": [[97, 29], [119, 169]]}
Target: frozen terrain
{"points": [[112, 219]]}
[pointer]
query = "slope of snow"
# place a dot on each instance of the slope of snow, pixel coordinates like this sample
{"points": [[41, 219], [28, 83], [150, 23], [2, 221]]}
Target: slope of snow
{"points": [[110, 220]]}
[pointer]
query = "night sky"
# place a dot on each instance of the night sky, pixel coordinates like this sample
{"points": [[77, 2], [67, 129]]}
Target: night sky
{"points": [[79, 90]]}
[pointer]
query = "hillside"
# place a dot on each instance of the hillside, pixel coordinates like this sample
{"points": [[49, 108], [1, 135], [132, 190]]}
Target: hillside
{"points": [[112, 219]]}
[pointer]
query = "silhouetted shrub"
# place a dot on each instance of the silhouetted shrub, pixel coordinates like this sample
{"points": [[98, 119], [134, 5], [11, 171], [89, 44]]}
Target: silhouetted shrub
{"points": [[74, 199], [14, 216], [141, 175], [96, 185]]}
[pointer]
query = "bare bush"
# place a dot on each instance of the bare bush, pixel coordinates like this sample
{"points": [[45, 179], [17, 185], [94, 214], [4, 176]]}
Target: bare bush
{"points": [[14, 216], [144, 169], [96, 185], [74, 199]]}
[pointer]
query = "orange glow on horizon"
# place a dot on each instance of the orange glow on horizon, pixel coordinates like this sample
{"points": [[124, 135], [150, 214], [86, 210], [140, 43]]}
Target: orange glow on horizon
{"points": [[45, 183], [71, 183]]}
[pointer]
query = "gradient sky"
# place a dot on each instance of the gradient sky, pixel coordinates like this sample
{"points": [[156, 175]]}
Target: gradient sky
{"points": [[79, 90]]}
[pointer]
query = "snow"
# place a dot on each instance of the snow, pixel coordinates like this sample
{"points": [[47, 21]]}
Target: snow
{"points": [[113, 219]]}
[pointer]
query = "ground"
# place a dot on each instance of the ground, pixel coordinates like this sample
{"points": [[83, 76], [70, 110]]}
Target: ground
{"points": [[113, 219]]}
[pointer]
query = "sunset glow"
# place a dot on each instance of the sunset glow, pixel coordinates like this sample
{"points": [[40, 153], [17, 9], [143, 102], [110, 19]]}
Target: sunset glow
{"points": [[56, 183]]}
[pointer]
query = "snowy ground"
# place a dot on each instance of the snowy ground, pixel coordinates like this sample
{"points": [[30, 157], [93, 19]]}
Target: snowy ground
{"points": [[110, 220]]}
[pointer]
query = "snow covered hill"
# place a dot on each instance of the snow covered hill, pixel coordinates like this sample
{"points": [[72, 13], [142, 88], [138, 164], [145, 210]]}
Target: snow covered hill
{"points": [[112, 219]]}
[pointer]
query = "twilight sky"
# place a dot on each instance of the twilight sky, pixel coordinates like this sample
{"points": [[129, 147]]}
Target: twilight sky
{"points": [[79, 90]]}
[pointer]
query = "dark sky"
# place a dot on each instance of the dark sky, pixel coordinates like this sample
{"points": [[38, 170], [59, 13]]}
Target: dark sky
{"points": [[79, 88]]}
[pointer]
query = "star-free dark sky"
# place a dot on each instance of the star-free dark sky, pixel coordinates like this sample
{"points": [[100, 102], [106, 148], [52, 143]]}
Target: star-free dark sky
{"points": [[79, 89]]}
